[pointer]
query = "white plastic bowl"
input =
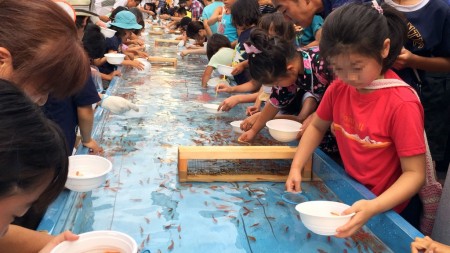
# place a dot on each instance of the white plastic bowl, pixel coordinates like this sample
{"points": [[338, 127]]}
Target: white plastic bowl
{"points": [[115, 58], [147, 66], [224, 70], [87, 172], [192, 41], [109, 33], [212, 108], [283, 130], [237, 126], [99, 241], [317, 216], [213, 82]]}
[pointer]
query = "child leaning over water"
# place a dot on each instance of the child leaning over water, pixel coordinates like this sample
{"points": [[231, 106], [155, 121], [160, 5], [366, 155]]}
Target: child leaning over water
{"points": [[380, 132], [124, 23], [299, 80], [218, 51]]}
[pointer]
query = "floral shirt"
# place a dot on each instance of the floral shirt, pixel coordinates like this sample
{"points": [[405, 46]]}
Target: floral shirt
{"points": [[315, 79], [196, 9]]}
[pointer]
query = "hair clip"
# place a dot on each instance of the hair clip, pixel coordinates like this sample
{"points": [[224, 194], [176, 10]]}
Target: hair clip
{"points": [[251, 49], [377, 7]]}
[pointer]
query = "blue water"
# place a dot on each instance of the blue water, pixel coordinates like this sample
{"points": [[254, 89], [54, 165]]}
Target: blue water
{"points": [[142, 196]]}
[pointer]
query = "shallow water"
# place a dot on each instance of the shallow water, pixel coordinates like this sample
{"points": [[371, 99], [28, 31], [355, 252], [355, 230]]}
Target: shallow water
{"points": [[142, 196]]}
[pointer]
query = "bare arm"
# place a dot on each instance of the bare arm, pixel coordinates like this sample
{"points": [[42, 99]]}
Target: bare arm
{"points": [[206, 75], [216, 16], [311, 139], [431, 64], [18, 239], [406, 186], [85, 123]]}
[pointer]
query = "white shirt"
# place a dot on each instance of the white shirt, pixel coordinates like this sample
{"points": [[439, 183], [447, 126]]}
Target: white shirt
{"points": [[120, 3]]}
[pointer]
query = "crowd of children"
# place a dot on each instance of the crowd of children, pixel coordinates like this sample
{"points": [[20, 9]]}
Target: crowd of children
{"points": [[350, 75]]}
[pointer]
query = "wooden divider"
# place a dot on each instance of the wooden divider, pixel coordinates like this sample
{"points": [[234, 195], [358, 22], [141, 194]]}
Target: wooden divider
{"points": [[187, 153]]}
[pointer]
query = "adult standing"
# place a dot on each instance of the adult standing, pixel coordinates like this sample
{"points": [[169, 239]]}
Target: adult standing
{"points": [[302, 12]]}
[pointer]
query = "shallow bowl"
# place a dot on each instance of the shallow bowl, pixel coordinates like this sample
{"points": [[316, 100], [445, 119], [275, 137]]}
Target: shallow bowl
{"points": [[237, 126], [115, 58], [109, 33], [224, 70], [87, 172], [283, 130], [99, 241], [212, 108], [322, 217]]}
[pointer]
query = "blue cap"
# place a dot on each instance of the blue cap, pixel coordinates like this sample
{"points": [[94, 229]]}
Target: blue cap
{"points": [[126, 20]]}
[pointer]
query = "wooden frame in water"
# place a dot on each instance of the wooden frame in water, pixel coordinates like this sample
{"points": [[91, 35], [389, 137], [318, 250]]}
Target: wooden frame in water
{"points": [[236, 156]]}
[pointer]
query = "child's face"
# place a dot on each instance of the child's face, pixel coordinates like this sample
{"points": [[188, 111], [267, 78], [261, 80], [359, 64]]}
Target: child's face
{"points": [[355, 69], [17, 204]]}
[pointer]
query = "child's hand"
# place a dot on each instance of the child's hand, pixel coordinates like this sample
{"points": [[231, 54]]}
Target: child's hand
{"points": [[223, 87], [115, 73], [184, 53], [247, 124], [403, 59], [93, 146], [364, 210], [138, 65], [251, 110], [66, 236], [142, 54], [228, 104], [427, 245], [247, 136], [293, 182], [238, 69]]}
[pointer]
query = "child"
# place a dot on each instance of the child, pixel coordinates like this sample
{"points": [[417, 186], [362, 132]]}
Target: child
{"points": [[34, 162], [218, 51], [222, 16], [379, 132], [275, 25], [124, 23], [275, 61], [94, 44], [199, 32], [245, 15]]}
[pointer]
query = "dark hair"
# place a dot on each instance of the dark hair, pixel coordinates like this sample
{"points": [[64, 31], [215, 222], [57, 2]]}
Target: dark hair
{"points": [[139, 19], [245, 13], [94, 42], [216, 42], [184, 22], [181, 11], [361, 29], [115, 11], [281, 27], [32, 148], [46, 56], [193, 28], [271, 63]]}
